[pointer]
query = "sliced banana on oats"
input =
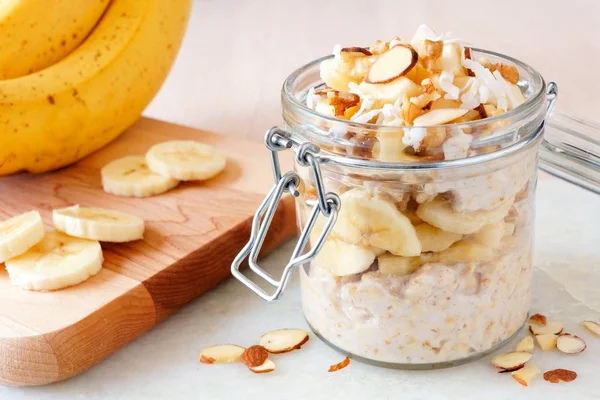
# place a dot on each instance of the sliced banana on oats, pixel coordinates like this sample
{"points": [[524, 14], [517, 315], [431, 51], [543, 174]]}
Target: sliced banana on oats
{"points": [[130, 176], [98, 224], [435, 239], [466, 251], [398, 266], [372, 221], [343, 259], [491, 234], [439, 212], [57, 262], [185, 160], [19, 233]]}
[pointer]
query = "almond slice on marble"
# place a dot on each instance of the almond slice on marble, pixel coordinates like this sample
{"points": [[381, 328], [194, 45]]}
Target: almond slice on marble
{"points": [[592, 326], [551, 327], [356, 51], [221, 354], [267, 366], [538, 319], [392, 64], [526, 374], [526, 344], [570, 344], [511, 361], [546, 341], [557, 375], [439, 116], [283, 340], [341, 365], [254, 356]]}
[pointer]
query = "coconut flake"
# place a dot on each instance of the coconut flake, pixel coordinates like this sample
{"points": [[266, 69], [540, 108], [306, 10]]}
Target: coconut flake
{"points": [[414, 136], [445, 82], [311, 98], [337, 51]]}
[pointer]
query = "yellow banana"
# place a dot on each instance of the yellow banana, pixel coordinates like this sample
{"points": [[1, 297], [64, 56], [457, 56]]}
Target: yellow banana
{"points": [[57, 116], [35, 34]]}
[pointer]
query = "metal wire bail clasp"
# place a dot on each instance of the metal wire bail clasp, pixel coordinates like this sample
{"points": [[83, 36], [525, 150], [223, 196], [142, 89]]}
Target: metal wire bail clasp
{"points": [[328, 204]]}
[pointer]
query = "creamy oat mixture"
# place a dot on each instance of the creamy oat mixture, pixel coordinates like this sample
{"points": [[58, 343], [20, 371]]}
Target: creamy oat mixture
{"points": [[429, 272]]}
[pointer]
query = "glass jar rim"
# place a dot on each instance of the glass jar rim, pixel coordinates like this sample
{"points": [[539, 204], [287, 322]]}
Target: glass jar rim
{"points": [[533, 104]]}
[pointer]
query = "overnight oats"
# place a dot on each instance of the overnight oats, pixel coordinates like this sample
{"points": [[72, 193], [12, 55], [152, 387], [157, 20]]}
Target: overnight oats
{"points": [[434, 149]]}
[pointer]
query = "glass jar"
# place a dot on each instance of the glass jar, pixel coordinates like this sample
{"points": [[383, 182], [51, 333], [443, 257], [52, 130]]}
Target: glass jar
{"points": [[406, 263]]}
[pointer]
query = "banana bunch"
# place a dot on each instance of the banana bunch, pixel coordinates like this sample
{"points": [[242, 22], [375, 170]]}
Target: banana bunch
{"points": [[41, 261], [76, 73]]}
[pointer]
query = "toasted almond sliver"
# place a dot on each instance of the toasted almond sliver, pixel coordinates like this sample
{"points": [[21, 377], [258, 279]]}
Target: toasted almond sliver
{"points": [[283, 340], [439, 116], [221, 353], [551, 327], [537, 319], [267, 366], [557, 375], [254, 356], [570, 344], [392, 64], [511, 361], [526, 344], [547, 341], [343, 364], [592, 326], [358, 51], [526, 374]]}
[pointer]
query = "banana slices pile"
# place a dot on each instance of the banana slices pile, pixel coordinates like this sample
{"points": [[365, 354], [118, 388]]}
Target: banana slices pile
{"points": [[42, 261], [370, 227], [162, 168]]}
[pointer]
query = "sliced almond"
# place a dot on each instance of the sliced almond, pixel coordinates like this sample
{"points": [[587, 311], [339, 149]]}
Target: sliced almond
{"points": [[439, 116], [511, 361], [557, 375], [526, 344], [526, 374], [570, 344], [392, 64], [546, 341], [221, 354], [341, 365], [254, 356], [267, 366], [283, 340], [356, 51], [594, 327], [552, 327], [469, 56], [538, 319], [508, 72]]}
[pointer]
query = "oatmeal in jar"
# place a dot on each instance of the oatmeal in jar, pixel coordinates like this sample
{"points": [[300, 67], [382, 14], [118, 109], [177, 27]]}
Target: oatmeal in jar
{"points": [[429, 261]]}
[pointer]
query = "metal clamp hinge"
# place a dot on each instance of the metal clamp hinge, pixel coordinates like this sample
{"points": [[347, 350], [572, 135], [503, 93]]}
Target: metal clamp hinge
{"points": [[328, 204]]}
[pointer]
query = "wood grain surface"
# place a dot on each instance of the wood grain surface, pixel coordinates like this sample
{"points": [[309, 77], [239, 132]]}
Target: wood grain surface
{"points": [[192, 234]]}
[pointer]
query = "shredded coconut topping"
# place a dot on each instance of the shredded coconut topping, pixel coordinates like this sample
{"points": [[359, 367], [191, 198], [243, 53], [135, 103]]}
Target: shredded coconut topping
{"points": [[445, 82]]}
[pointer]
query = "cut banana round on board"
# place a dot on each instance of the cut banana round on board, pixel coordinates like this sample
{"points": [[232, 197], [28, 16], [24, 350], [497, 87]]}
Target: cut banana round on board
{"points": [[98, 224], [58, 261], [372, 221], [130, 176], [439, 212], [185, 160], [19, 233]]}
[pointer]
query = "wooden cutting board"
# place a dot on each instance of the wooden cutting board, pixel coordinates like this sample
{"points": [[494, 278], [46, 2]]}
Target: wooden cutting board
{"points": [[192, 234]]}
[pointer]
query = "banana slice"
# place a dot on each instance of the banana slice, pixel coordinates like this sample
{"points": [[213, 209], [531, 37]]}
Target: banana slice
{"points": [[343, 259], [58, 261], [465, 251], [19, 233], [371, 221], [98, 224], [398, 266], [435, 239], [439, 213], [130, 176], [491, 235], [185, 160]]}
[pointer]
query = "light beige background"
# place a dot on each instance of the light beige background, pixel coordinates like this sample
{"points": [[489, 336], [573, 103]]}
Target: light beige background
{"points": [[238, 52]]}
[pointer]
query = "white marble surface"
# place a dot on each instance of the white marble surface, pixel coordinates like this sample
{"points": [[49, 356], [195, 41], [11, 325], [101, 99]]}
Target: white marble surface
{"points": [[163, 363]]}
